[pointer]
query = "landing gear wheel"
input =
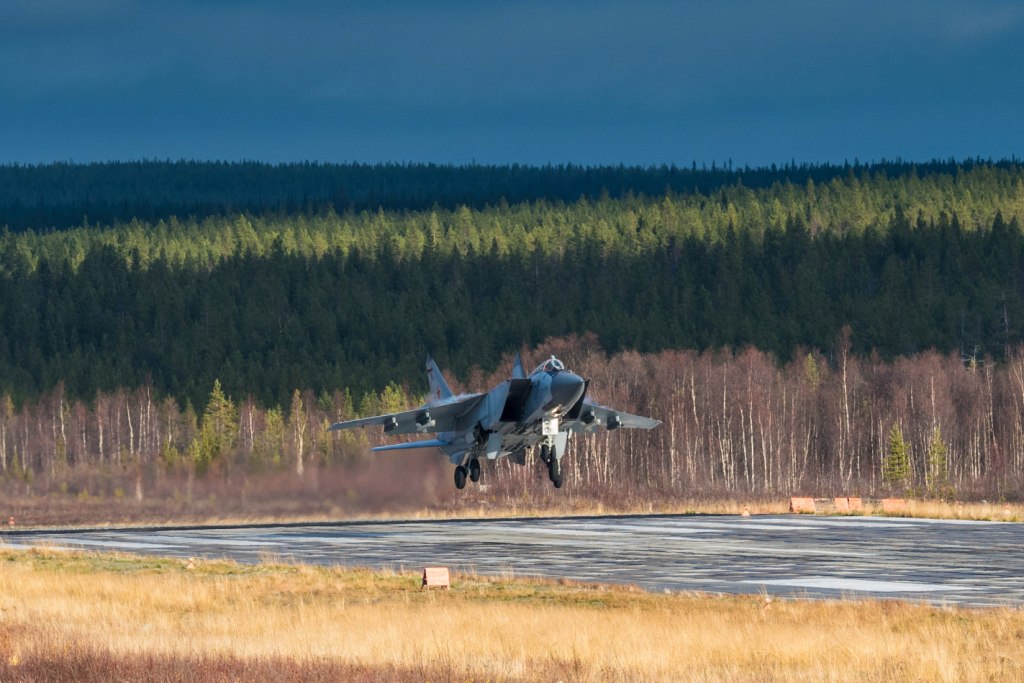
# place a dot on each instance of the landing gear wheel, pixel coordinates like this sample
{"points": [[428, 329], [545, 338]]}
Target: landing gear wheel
{"points": [[545, 457], [460, 477], [555, 470], [474, 470]]}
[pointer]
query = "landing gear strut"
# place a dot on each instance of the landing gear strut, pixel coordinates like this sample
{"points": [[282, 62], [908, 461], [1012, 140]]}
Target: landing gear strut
{"points": [[460, 477], [474, 470], [554, 467]]}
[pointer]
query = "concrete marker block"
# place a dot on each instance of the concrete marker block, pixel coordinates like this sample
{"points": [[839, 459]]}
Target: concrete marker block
{"points": [[436, 577]]}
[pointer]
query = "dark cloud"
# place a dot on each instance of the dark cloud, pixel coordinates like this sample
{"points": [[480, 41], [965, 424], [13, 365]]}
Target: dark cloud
{"points": [[639, 82]]}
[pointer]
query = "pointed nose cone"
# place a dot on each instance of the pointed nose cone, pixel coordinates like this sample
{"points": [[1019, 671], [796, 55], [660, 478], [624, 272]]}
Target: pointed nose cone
{"points": [[566, 389]]}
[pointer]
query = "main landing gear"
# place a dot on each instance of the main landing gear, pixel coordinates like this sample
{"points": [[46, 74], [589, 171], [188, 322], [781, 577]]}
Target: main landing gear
{"points": [[473, 472], [549, 456]]}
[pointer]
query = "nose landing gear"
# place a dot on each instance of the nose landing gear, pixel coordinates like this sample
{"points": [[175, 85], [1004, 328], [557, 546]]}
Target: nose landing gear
{"points": [[549, 456], [555, 470]]}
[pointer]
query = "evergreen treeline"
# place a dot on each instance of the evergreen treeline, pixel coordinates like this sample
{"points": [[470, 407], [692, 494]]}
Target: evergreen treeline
{"points": [[355, 300], [264, 325], [63, 195]]}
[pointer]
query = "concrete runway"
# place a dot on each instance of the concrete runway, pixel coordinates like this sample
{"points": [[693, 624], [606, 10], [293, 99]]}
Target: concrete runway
{"points": [[941, 562]]}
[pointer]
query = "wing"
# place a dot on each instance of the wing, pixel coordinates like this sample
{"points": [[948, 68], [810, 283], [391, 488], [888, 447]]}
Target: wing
{"points": [[433, 417], [593, 418]]}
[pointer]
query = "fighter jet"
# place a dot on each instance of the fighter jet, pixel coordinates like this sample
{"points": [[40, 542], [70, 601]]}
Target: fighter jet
{"points": [[541, 410]]}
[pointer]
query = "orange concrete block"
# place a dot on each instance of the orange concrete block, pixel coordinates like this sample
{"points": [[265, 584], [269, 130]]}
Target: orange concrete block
{"points": [[842, 504], [798, 504], [436, 577], [894, 505], [856, 504]]}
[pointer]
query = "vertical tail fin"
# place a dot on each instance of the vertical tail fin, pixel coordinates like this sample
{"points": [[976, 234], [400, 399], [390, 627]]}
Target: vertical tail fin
{"points": [[517, 368], [439, 388]]}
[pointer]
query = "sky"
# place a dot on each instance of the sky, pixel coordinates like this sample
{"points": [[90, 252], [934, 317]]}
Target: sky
{"points": [[552, 81]]}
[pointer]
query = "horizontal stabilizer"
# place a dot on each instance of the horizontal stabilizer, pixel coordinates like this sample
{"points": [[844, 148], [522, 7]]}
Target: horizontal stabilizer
{"points": [[429, 443]]}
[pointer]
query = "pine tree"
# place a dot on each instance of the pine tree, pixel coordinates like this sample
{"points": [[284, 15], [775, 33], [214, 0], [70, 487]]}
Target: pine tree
{"points": [[811, 373], [270, 441], [938, 466], [219, 431], [896, 468]]}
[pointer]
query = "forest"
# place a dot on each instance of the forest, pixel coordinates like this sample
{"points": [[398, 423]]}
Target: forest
{"points": [[64, 195], [793, 327], [734, 423]]}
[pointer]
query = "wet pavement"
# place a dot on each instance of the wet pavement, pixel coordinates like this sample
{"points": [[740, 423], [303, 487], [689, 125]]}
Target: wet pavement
{"points": [[941, 562]]}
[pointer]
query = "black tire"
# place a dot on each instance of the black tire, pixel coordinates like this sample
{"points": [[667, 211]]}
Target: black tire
{"points": [[474, 470], [558, 481], [544, 456], [460, 477], [555, 469]]}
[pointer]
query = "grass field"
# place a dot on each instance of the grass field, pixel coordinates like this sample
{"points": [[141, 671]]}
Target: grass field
{"points": [[932, 509], [478, 505], [98, 617]]}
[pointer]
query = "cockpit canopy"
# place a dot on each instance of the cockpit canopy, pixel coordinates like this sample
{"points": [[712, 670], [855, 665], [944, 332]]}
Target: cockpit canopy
{"points": [[551, 366]]}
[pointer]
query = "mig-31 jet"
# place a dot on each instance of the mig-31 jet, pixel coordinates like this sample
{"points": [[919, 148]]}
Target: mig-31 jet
{"points": [[540, 410]]}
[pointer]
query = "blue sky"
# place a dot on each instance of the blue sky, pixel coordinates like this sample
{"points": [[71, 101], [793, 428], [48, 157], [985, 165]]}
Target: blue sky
{"points": [[641, 82]]}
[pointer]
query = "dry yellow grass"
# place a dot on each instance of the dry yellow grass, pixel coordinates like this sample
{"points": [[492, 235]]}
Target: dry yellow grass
{"points": [[483, 504], [472, 509], [937, 509], [933, 509], [60, 607]]}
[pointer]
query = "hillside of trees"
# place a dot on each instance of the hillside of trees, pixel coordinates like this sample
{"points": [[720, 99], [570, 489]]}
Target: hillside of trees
{"points": [[267, 304], [63, 195], [751, 292]]}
